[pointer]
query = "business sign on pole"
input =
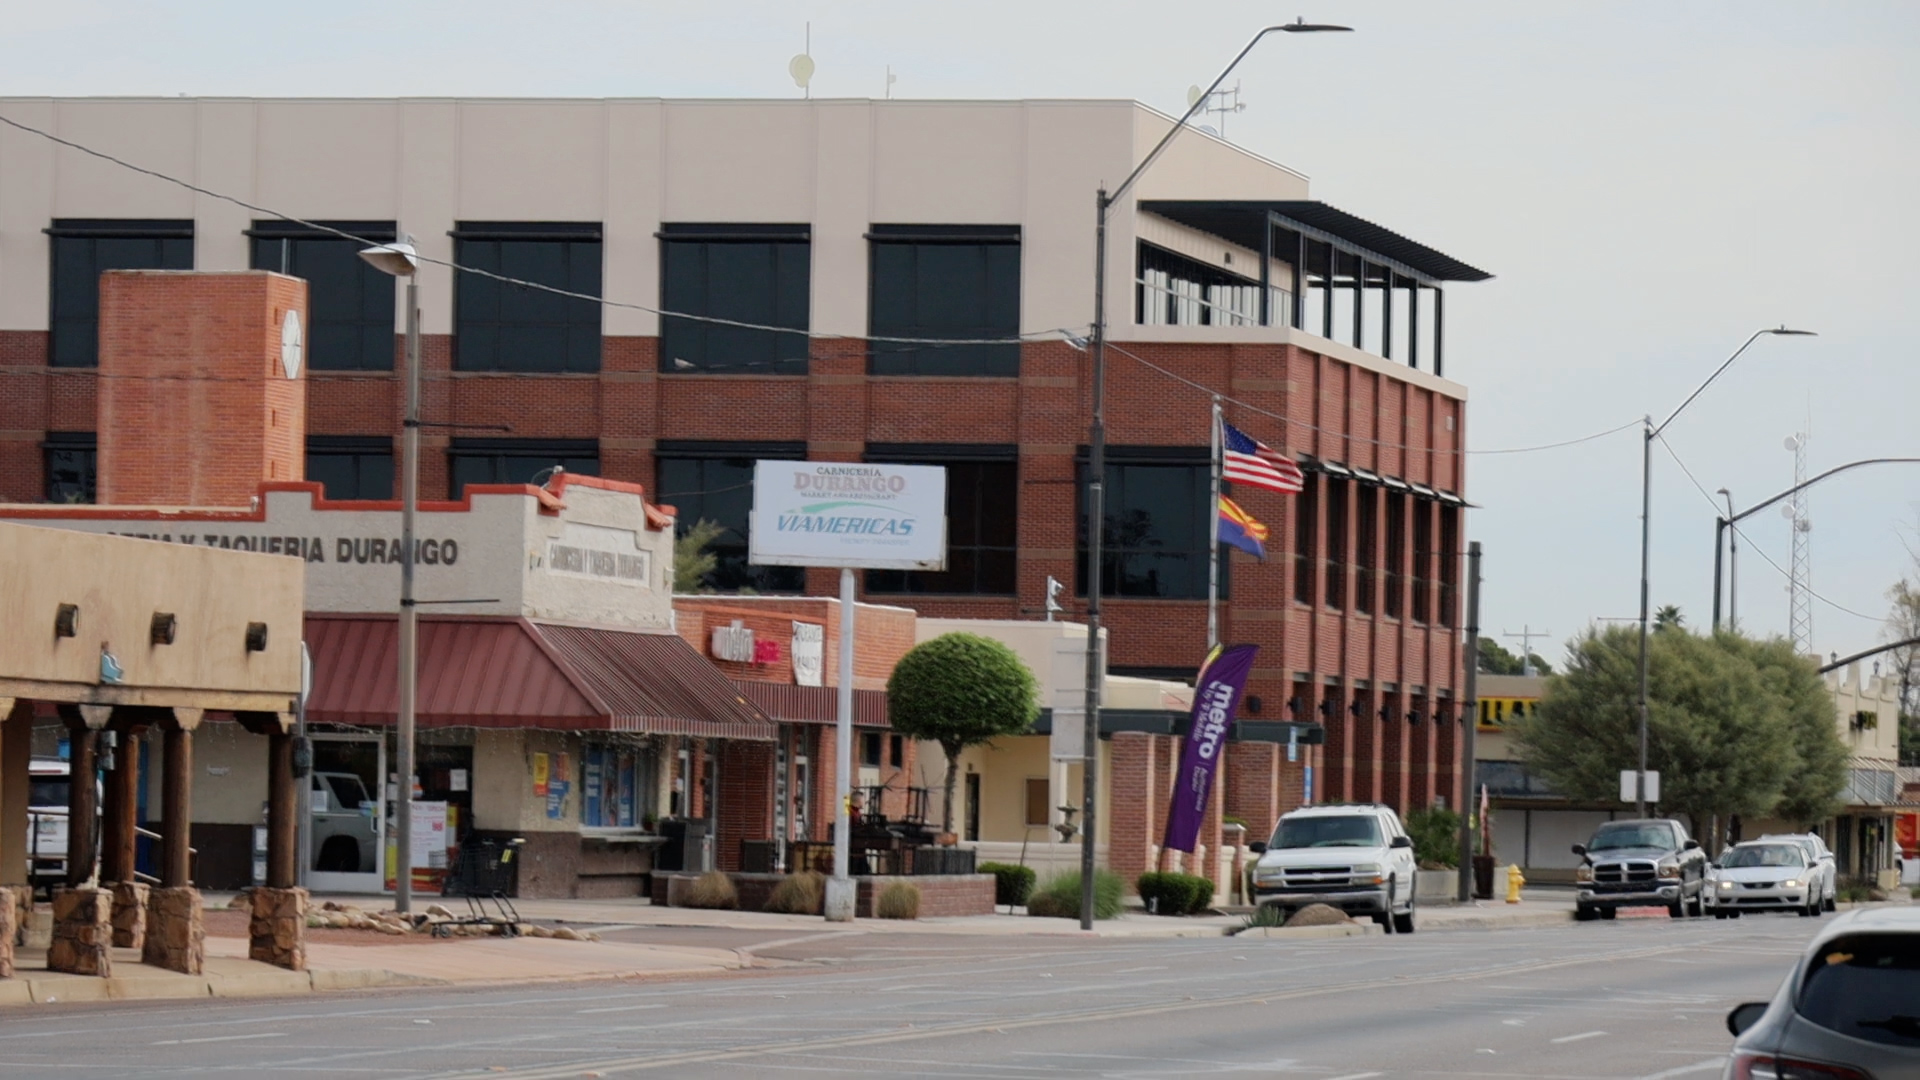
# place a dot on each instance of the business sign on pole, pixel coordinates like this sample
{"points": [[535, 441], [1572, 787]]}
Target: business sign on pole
{"points": [[1628, 787], [864, 516]]}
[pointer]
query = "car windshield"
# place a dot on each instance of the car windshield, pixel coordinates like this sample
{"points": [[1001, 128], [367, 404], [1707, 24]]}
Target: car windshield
{"points": [[1765, 855], [1867, 987], [1613, 837], [1357, 830]]}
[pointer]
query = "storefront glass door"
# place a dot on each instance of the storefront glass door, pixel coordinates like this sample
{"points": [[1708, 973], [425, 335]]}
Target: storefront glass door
{"points": [[349, 815]]}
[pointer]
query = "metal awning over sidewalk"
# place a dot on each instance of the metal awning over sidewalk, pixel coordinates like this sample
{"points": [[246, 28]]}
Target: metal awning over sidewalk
{"points": [[519, 673]]}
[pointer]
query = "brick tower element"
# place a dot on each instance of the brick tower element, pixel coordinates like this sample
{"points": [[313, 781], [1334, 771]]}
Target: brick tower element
{"points": [[203, 389]]}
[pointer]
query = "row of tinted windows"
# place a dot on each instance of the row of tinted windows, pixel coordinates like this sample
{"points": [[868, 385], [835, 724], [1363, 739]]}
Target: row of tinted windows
{"points": [[1157, 526], [951, 283]]}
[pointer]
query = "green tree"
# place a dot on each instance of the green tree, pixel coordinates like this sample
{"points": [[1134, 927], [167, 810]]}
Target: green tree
{"points": [[1719, 733], [1669, 618], [960, 690], [1497, 659], [692, 562], [1820, 768]]}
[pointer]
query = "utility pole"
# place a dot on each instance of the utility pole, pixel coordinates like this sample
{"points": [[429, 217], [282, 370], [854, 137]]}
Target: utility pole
{"points": [[1470, 721], [1526, 635]]}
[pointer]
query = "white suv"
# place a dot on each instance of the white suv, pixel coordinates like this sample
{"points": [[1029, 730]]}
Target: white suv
{"points": [[1357, 858]]}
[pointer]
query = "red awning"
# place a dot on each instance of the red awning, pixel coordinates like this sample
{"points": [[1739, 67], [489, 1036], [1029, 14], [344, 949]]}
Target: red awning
{"points": [[515, 673], [792, 704]]}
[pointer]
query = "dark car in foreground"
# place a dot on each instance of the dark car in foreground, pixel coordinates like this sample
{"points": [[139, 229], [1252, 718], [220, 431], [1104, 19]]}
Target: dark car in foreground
{"points": [[1849, 1010], [1640, 863]]}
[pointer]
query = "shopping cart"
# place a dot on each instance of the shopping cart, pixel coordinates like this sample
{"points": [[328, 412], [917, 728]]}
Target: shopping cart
{"points": [[484, 873]]}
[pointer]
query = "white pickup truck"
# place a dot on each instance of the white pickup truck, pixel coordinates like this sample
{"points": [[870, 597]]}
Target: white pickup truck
{"points": [[47, 821]]}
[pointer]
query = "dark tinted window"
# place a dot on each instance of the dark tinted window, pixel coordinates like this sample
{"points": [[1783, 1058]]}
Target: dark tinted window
{"points": [[1866, 987], [1366, 514], [1422, 559], [72, 457], [1649, 835], [747, 273], [983, 504], [351, 468], [945, 282], [1358, 830], [517, 461], [350, 305], [83, 249], [1336, 542], [1306, 539], [1449, 557], [1157, 531], [503, 327], [717, 485]]}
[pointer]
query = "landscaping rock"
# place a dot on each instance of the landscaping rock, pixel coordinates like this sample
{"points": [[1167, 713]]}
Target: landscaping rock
{"points": [[1318, 915]]}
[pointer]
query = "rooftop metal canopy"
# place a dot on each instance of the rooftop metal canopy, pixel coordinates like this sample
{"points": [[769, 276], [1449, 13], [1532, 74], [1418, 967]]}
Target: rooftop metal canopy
{"points": [[1240, 221]]}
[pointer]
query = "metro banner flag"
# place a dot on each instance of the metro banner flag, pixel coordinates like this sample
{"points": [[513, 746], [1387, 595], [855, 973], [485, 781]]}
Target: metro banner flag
{"points": [[1222, 681]]}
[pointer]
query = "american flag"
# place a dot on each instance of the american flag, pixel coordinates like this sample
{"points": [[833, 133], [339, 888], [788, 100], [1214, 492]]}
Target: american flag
{"points": [[1245, 460]]}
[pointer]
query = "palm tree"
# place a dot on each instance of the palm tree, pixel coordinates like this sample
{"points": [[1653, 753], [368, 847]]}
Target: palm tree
{"points": [[1669, 618]]}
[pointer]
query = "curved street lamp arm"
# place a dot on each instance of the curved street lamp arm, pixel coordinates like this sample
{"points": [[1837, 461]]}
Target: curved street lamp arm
{"points": [[1653, 433], [1199, 103], [1875, 651], [1756, 507]]}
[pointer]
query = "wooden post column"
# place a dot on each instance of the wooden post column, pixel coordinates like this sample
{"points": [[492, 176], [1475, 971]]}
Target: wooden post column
{"points": [[119, 811], [176, 806], [82, 803], [16, 751], [282, 869]]}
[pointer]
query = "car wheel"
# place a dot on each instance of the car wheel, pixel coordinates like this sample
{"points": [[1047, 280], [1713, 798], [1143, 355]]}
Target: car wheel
{"points": [[1608, 913], [1830, 905], [1584, 913], [1403, 924], [1677, 909], [1385, 918], [1719, 914], [1698, 908]]}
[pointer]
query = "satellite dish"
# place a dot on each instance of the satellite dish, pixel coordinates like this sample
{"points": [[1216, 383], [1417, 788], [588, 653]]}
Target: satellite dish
{"points": [[1786, 511], [1791, 442], [1208, 128], [801, 68], [1193, 96]]}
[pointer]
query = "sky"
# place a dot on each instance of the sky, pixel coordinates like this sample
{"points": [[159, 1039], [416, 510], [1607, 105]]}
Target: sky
{"points": [[1650, 183]]}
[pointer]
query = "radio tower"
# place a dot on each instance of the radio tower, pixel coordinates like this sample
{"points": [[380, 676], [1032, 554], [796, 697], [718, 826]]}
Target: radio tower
{"points": [[1799, 583]]}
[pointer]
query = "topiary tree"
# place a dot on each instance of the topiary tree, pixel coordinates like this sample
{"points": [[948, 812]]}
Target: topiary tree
{"points": [[960, 690]]}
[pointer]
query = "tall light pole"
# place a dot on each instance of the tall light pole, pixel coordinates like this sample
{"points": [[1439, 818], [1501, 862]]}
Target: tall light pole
{"points": [[1097, 461], [1722, 526], [1733, 575], [399, 259], [1651, 432]]}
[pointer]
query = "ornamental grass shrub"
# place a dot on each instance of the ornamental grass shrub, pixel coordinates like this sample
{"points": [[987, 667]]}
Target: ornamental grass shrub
{"points": [[900, 900], [714, 890], [1011, 884], [1059, 896], [798, 894]]}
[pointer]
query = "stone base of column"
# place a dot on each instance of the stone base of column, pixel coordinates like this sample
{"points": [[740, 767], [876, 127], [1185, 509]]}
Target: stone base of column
{"points": [[22, 908], [8, 923], [129, 914], [176, 931], [82, 933], [278, 929]]}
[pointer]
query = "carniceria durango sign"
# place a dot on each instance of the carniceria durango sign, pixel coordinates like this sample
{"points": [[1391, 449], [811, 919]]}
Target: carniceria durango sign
{"points": [[865, 516]]}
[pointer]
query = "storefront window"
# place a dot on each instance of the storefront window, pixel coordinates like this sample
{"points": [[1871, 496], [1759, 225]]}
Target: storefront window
{"points": [[617, 785]]}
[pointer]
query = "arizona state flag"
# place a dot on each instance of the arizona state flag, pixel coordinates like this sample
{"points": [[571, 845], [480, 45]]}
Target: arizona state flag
{"points": [[1237, 527]]}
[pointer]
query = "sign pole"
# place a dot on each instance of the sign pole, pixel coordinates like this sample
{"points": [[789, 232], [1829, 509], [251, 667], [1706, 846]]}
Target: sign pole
{"points": [[840, 900]]}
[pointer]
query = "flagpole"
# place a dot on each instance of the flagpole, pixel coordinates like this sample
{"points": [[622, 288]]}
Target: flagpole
{"points": [[1213, 548]]}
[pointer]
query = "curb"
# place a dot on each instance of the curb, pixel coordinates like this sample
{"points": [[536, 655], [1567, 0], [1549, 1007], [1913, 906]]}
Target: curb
{"points": [[65, 991], [1311, 933]]}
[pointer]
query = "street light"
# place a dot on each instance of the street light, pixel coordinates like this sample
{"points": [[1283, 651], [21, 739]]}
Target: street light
{"points": [[400, 260], [1650, 433], [1722, 526], [1097, 459], [1733, 572]]}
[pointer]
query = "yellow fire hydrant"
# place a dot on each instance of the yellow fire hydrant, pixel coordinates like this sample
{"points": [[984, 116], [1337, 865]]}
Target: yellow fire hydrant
{"points": [[1514, 881]]}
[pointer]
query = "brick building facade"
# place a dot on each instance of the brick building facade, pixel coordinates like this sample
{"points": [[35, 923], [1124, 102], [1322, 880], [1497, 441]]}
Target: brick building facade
{"points": [[1324, 330]]}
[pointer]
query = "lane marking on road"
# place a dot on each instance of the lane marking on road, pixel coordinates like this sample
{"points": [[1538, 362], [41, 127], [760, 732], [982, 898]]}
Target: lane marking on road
{"points": [[222, 1038], [618, 1008], [1358, 1076], [1684, 1070], [1577, 1038], [1130, 971], [637, 1063]]}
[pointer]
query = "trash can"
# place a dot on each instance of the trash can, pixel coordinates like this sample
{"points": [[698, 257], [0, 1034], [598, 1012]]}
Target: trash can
{"points": [[1483, 877]]}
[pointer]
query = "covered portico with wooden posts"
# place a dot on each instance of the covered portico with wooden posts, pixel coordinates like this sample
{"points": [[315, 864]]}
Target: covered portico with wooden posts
{"points": [[126, 640]]}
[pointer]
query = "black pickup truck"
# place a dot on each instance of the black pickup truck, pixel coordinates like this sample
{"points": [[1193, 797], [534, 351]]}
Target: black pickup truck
{"points": [[1640, 863]]}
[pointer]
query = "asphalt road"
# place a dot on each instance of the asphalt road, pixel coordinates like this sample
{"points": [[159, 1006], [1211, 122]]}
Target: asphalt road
{"points": [[1635, 998]]}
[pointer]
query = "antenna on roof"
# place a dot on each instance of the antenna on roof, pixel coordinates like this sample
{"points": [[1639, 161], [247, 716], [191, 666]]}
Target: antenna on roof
{"points": [[801, 66]]}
